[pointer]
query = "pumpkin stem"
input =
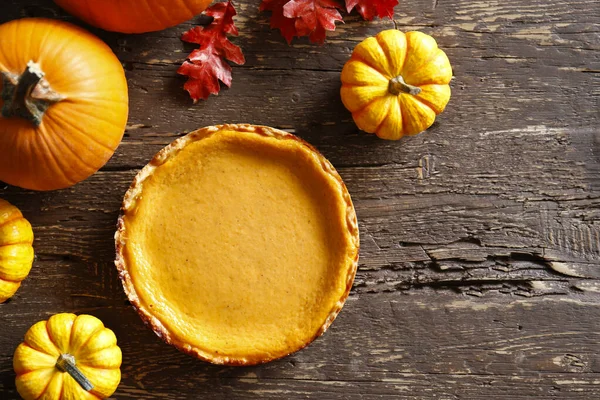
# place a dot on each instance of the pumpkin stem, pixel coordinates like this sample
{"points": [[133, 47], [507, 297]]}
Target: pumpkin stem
{"points": [[66, 363], [28, 95], [397, 86]]}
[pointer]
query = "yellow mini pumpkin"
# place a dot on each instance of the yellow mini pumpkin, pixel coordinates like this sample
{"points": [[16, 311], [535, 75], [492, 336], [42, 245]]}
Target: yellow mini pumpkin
{"points": [[395, 84], [68, 357], [16, 251]]}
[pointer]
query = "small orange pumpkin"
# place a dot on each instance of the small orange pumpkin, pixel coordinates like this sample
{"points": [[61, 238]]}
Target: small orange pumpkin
{"points": [[68, 357], [134, 16], [64, 104], [395, 84], [16, 250]]}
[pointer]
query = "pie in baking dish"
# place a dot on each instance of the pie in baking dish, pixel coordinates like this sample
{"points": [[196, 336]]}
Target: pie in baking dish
{"points": [[238, 244]]}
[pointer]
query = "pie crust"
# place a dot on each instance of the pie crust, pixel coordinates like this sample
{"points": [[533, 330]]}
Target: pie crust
{"points": [[238, 244]]}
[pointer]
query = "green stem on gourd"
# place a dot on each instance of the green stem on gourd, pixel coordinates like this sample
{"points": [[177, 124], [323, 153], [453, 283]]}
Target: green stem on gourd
{"points": [[27, 95], [66, 363], [397, 86]]}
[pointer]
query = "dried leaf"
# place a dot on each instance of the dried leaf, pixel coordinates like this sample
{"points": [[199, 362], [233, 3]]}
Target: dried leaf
{"points": [[278, 20], [312, 18], [206, 66], [369, 9]]}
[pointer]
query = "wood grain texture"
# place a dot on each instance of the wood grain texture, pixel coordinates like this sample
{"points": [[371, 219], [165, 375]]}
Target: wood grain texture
{"points": [[480, 257]]}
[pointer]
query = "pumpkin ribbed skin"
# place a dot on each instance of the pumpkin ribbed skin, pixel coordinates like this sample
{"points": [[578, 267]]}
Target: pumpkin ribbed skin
{"points": [[395, 84], [134, 16], [84, 337], [16, 251], [78, 134]]}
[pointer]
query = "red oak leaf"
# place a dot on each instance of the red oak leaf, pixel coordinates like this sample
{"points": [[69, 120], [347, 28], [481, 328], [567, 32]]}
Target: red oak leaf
{"points": [[278, 20], [312, 18], [370, 9], [206, 66]]}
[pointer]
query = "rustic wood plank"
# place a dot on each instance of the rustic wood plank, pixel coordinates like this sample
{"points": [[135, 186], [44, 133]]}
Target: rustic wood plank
{"points": [[458, 348], [480, 259]]}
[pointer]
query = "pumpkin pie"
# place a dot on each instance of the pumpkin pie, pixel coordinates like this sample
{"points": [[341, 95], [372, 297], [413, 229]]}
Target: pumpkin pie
{"points": [[238, 244]]}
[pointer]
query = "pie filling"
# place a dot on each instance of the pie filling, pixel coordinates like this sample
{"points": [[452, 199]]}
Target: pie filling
{"points": [[239, 245]]}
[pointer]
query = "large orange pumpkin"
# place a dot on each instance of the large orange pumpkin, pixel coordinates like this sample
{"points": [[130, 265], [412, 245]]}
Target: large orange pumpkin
{"points": [[64, 104], [134, 16]]}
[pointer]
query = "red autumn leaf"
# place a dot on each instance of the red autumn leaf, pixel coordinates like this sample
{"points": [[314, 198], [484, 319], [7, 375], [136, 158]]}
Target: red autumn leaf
{"points": [[278, 20], [370, 9], [312, 18], [206, 66]]}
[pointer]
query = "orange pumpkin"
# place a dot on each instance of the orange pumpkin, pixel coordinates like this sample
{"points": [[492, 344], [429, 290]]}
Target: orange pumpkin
{"points": [[134, 16], [64, 104], [16, 250], [68, 357], [395, 84]]}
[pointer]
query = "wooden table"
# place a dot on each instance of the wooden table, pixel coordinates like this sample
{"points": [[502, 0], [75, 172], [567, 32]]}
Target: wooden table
{"points": [[480, 262]]}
